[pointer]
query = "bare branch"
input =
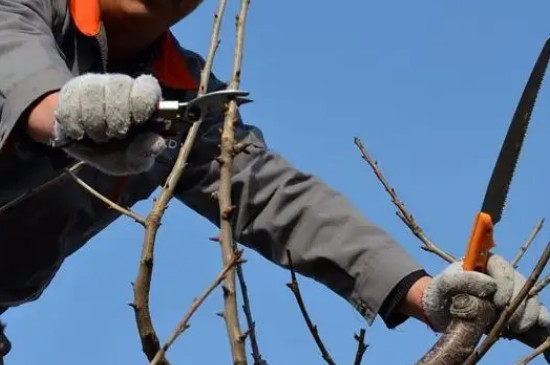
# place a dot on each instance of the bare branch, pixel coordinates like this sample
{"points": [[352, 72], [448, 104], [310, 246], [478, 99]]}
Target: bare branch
{"points": [[107, 201], [402, 213], [539, 350], [504, 317], [149, 339], [256, 354], [361, 347], [527, 243], [231, 314], [293, 286], [74, 168], [184, 324], [540, 286]]}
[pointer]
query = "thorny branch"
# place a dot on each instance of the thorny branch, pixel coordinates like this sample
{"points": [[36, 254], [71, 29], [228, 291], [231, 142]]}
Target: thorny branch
{"points": [[293, 286], [539, 350], [149, 339], [184, 324], [231, 314], [402, 213], [504, 317], [256, 354], [527, 243], [125, 211], [361, 347]]}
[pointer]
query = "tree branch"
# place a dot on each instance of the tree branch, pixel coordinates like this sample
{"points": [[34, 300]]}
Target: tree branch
{"points": [[527, 243], [504, 317], [149, 339], [361, 347], [107, 201], [539, 350], [402, 213], [256, 354], [231, 314], [184, 324], [293, 286]]}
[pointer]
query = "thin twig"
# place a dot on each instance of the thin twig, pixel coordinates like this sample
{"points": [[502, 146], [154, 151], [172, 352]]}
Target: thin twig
{"points": [[361, 347], [256, 354], [231, 313], [527, 243], [539, 350], [540, 286], [111, 204], [74, 168], [402, 213], [184, 324], [504, 317], [149, 339], [294, 287]]}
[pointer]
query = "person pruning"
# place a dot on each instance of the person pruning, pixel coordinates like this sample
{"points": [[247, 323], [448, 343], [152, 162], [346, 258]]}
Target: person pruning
{"points": [[91, 71]]}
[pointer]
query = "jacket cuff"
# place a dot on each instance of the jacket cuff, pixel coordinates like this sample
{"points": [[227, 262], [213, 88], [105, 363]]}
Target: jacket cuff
{"points": [[379, 279], [388, 312]]}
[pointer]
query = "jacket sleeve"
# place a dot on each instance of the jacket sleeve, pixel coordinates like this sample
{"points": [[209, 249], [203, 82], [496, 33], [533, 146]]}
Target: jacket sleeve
{"points": [[279, 207], [30, 63]]}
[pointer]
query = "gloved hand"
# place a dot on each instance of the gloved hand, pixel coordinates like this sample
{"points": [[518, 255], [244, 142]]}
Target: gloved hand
{"points": [[501, 284], [103, 107]]}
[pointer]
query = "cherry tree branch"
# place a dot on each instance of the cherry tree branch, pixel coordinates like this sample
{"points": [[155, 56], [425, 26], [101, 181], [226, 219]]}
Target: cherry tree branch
{"points": [[539, 350], [527, 243], [228, 147], [149, 339], [294, 287], [361, 347], [197, 302], [402, 212]]}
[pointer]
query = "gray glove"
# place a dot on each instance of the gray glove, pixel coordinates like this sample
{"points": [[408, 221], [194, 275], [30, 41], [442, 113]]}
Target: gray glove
{"points": [[103, 107], [501, 284]]}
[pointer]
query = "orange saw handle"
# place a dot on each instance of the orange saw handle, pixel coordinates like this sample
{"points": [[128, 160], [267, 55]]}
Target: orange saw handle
{"points": [[481, 242]]}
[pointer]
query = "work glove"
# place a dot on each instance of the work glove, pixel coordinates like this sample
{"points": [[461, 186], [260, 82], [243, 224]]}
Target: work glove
{"points": [[501, 284], [104, 107]]}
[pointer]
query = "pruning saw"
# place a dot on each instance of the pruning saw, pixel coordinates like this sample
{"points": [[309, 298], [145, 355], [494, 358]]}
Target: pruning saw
{"points": [[481, 238]]}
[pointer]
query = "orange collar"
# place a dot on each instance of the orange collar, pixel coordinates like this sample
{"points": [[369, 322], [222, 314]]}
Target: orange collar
{"points": [[86, 15], [169, 64]]}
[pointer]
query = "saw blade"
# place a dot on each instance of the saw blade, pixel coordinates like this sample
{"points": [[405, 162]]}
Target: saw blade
{"points": [[499, 184]]}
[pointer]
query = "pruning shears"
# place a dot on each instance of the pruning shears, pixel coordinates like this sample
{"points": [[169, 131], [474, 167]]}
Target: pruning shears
{"points": [[481, 239], [173, 116]]}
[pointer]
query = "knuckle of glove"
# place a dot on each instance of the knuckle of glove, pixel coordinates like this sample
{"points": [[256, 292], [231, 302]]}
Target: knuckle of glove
{"points": [[144, 96]]}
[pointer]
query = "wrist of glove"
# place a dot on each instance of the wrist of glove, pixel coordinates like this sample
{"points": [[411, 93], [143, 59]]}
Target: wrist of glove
{"points": [[104, 107], [501, 284]]}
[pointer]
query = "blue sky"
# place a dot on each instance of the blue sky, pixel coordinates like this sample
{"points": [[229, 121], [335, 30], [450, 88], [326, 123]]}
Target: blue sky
{"points": [[429, 87]]}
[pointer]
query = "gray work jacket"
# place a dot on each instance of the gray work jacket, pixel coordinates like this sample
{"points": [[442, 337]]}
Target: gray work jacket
{"points": [[44, 43]]}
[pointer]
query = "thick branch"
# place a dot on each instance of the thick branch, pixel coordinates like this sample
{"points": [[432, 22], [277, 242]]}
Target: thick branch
{"points": [[184, 324], [361, 347], [149, 339], [402, 213], [231, 314], [293, 286], [527, 243], [504, 317], [111, 204]]}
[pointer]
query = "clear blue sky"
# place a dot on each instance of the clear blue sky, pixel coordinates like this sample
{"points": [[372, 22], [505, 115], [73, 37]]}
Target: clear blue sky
{"points": [[430, 88]]}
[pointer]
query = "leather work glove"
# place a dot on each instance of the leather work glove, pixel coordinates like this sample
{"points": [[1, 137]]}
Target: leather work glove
{"points": [[502, 283], [103, 107]]}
